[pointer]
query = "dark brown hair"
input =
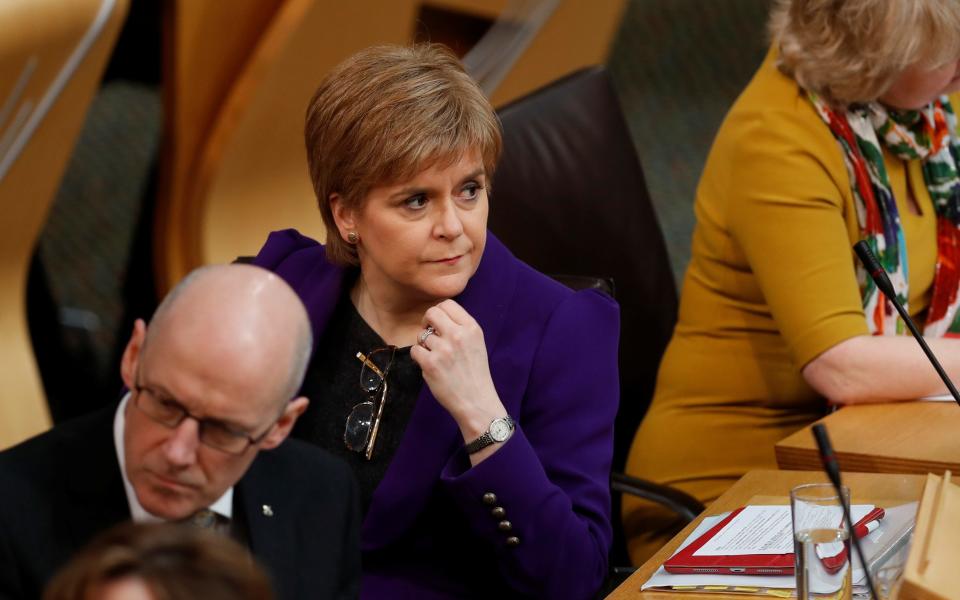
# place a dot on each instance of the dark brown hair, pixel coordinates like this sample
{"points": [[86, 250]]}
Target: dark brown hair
{"points": [[176, 562]]}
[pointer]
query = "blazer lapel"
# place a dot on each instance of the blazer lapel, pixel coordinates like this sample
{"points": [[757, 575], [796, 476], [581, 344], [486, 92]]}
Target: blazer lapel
{"points": [[488, 294], [270, 524], [432, 435]]}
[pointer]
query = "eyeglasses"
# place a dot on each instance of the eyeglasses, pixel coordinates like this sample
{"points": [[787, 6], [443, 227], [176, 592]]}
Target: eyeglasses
{"points": [[363, 423], [170, 413]]}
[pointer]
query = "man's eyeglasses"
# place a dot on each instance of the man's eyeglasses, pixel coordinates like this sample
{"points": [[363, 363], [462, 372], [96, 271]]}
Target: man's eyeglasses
{"points": [[363, 423], [170, 413]]}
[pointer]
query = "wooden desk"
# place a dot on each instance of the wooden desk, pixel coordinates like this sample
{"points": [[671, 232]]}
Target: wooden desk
{"points": [[902, 437], [762, 486]]}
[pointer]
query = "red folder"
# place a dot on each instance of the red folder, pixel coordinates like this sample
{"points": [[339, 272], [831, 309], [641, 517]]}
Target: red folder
{"points": [[684, 561], [743, 564]]}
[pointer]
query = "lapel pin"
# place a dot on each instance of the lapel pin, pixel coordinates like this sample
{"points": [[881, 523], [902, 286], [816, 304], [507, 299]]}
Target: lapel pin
{"points": [[267, 510]]}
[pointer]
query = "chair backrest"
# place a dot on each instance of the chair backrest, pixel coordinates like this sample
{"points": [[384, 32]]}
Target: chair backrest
{"points": [[51, 58], [569, 198]]}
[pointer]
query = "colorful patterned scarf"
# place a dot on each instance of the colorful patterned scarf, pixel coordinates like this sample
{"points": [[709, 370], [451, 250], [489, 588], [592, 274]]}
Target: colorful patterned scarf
{"points": [[929, 134]]}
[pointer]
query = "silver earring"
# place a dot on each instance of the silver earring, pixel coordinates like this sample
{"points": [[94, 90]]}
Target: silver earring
{"points": [[352, 237]]}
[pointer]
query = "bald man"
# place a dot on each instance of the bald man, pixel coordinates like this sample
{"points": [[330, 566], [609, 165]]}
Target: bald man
{"points": [[200, 438]]}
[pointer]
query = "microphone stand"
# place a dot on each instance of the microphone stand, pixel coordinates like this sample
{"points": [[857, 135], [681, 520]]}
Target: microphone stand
{"points": [[833, 472]]}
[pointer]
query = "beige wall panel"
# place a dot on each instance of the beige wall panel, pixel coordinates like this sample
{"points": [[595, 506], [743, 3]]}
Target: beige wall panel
{"points": [[207, 45], [213, 42], [47, 30]]}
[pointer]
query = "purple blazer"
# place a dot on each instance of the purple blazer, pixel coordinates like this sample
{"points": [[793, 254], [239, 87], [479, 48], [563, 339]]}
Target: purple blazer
{"points": [[553, 357]]}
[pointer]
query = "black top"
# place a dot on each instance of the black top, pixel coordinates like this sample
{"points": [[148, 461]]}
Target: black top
{"points": [[333, 386]]}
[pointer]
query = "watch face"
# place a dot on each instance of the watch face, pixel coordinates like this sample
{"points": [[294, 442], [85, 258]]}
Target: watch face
{"points": [[500, 430]]}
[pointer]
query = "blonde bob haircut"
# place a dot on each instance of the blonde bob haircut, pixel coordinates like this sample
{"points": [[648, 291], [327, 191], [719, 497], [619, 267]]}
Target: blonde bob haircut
{"points": [[852, 51], [384, 115]]}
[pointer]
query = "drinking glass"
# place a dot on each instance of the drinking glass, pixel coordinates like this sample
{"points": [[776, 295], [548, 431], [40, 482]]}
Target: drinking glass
{"points": [[821, 543]]}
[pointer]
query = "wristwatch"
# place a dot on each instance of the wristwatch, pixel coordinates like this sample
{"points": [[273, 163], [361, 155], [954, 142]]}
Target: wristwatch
{"points": [[500, 430]]}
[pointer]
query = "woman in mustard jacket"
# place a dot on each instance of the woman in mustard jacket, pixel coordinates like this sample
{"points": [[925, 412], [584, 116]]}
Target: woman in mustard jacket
{"points": [[844, 134]]}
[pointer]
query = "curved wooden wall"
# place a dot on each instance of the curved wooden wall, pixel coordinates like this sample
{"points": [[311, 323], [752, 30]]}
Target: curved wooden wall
{"points": [[234, 165], [52, 55]]}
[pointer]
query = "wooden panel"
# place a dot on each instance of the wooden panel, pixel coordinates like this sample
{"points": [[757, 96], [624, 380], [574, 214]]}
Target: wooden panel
{"points": [[203, 58], [904, 437], [39, 123], [931, 570], [769, 487]]}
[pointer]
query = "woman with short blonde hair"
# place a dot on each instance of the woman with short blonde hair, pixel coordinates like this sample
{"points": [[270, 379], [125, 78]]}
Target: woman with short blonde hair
{"points": [[847, 132], [473, 397], [853, 50]]}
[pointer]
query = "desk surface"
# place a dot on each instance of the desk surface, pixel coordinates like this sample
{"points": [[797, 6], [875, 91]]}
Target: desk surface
{"points": [[901, 437], [760, 486]]}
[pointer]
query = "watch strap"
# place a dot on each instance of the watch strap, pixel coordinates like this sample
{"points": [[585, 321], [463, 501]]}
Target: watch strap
{"points": [[479, 444], [486, 439]]}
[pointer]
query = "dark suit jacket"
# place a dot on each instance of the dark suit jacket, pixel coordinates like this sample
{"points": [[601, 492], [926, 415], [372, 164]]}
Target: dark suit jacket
{"points": [[64, 486], [428, 533]]}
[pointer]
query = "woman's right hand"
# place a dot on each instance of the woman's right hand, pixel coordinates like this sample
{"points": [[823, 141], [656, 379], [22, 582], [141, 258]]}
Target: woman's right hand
{"points": [[455, 366]]}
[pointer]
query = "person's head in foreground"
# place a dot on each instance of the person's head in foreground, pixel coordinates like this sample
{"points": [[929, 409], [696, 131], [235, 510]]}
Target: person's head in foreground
{"points": [[213, 381], [160, 562], [903, 53], [402, 145]]}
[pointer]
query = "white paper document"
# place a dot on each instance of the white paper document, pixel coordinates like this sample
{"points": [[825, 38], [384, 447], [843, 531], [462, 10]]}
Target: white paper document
{"points": [[662, 579], [938, 398], [766, 529]]}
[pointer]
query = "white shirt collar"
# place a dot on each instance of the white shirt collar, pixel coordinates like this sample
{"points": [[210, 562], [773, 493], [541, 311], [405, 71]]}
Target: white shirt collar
{"points": [[223, 506]]}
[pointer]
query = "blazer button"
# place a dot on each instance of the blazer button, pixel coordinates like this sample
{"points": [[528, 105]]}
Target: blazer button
{"points": [[513, 541], [498, 512], [490, 498], [504, 525]]}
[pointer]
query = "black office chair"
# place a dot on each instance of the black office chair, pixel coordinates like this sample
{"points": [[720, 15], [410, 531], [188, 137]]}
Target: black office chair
{"points": [[569, 198]]}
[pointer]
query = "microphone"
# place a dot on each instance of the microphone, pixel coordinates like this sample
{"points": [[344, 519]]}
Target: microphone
{"points": [[833, 472], [827, 457], [879, 276]]}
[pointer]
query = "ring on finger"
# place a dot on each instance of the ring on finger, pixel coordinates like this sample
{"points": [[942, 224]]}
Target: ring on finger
{"points": [[422, 340]]}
